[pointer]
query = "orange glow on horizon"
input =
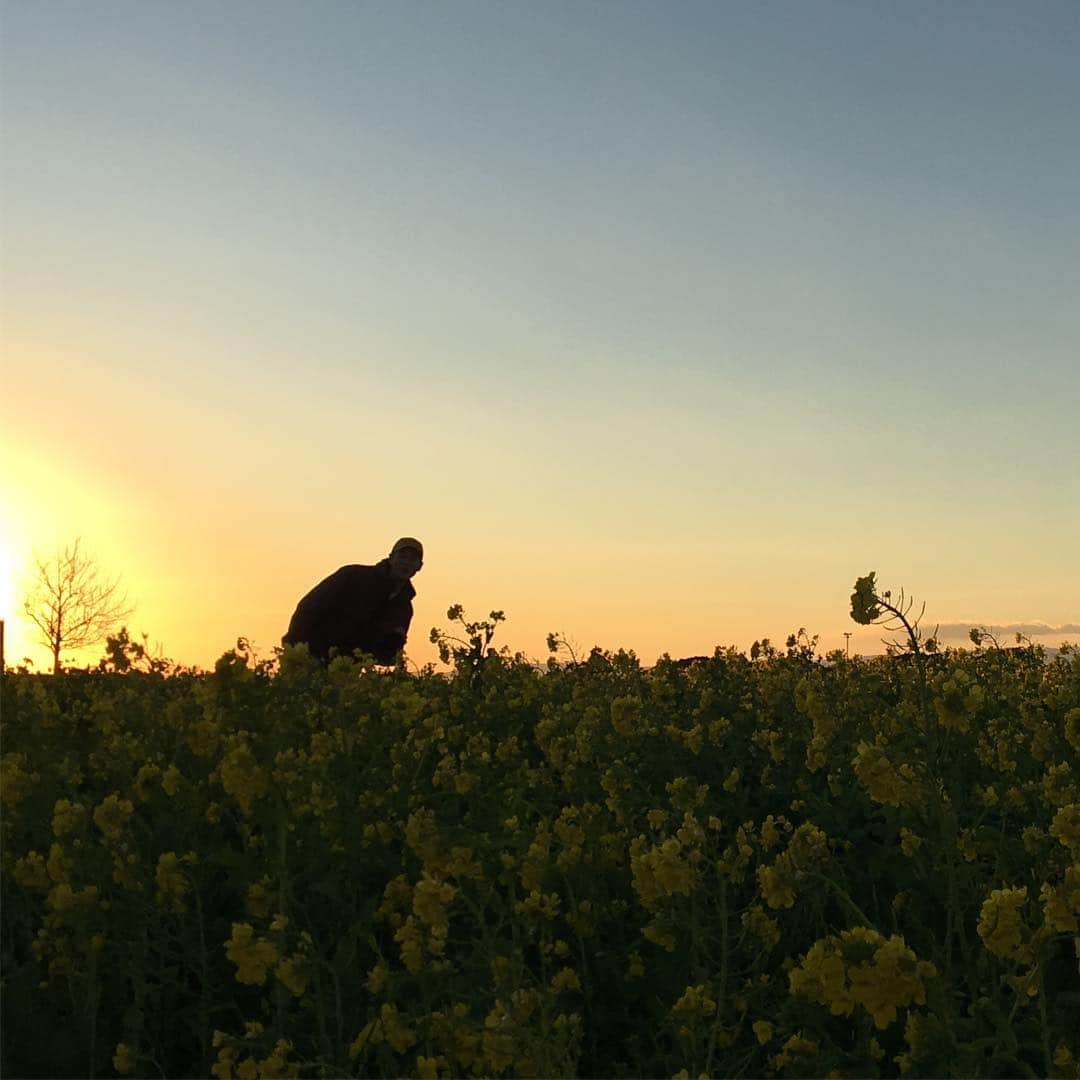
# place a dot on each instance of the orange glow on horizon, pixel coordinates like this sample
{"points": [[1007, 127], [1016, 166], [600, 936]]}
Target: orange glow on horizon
{"points": [[211, 556]]}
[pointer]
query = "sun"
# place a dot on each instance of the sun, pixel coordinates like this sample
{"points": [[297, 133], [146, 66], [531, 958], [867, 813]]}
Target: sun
{"points": [[7, 594], [8, 575], [20, 637]]}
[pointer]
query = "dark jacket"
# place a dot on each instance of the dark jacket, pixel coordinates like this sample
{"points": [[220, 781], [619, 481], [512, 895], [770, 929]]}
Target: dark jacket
{"points": [[356, 607]]}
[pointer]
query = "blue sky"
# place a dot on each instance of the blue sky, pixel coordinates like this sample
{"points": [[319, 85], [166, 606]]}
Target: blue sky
{"points": [[757, 281]]}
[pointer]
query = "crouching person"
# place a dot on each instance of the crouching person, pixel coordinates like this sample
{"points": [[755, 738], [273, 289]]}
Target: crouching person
{"points": [[360, 607]]}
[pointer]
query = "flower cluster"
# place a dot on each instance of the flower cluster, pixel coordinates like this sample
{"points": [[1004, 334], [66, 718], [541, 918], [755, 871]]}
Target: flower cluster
{"points": [[743, 865], [862, 968], [1000, 920]]}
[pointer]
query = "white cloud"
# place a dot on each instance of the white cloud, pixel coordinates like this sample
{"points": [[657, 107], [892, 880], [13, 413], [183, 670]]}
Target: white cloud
{"points": [[1029, 629]]}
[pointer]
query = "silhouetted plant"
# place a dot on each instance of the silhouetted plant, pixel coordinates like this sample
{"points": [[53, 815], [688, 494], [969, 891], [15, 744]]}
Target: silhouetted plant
{"points": [[69, 602], [122, 654], [558, 642], [466, 653], [869, 607]]}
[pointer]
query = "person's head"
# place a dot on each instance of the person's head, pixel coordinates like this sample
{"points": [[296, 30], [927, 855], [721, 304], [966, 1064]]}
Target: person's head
{"points": [[406, 557]]}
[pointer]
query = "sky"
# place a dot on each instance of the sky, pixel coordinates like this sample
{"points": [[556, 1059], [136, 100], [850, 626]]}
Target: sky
{"points": [[658, 323]]}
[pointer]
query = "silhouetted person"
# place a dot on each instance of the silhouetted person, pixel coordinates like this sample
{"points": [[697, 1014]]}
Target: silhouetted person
{"points": [[360, 607]]}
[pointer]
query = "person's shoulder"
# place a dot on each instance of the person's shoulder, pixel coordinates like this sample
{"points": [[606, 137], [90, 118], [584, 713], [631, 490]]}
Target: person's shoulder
{"points": [[359, 576], [355, 572], [345, 577]]}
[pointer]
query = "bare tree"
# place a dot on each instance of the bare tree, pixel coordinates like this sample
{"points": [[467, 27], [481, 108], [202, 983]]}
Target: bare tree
{"points": [[71, 604]]}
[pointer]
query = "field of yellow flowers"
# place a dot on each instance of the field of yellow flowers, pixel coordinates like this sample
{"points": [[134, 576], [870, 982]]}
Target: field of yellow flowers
{"points": [[735, 867]]}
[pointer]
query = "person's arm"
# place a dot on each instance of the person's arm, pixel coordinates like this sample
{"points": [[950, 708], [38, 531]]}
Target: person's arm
{"points": [[388, 647], [393, 628]]}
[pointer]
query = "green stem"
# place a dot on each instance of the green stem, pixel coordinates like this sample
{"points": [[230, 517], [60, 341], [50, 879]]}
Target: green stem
{"points": [[204, 982], [1043, 1027], [724, 943], [92, 1007], [864, 919]]}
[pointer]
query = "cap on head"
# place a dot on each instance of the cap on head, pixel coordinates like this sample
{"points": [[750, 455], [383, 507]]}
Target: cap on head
{"points": [[409, 542]]}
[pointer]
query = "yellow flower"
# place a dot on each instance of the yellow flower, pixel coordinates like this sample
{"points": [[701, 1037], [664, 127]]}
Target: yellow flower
{"points": [[796, 1047], [776, 890], [909, 841], [258, 899], [1061, 904], [223, 1066], [625, 714], [1032, 838], [659, 871], [882, 780], [292, 973], [276, 1064], [376, 980], [770, 835], [411, 942], [758, 923], [565, 980], [31, 872], [67, 817], [1066, 826], [763, 1030], [122, 1061], [957, 700], [58, 864], [660, 935], [252, 956], [203, 737], [430, 898], [965, 844], [894, 980], [62, 897], [112, 814], [695, 1001], [241, 775], [1072, 728], [170, 782], [143, 779], [171, 881], [15, 782], [570, 832], [498, 1044], [999, 920], [370, 1035], [861, 967], [396, 1032], [1058, 785]]}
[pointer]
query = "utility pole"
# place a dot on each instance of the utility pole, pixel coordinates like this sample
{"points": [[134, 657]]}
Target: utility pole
{"points": [[847, 643]]}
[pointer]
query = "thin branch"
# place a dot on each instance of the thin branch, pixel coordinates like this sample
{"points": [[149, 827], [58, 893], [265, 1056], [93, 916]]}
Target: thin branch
{"points": [[71, 605]]}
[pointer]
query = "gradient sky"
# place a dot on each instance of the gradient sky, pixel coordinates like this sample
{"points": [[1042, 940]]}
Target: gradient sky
{"points": [[658, 323]]}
